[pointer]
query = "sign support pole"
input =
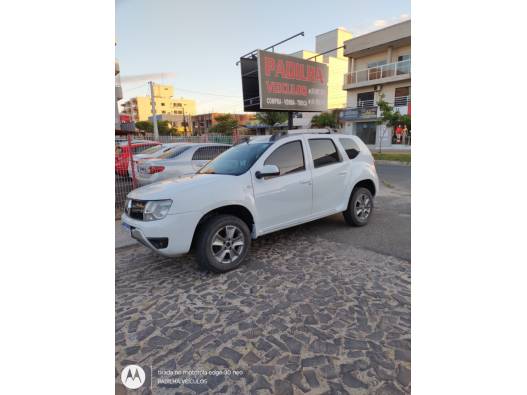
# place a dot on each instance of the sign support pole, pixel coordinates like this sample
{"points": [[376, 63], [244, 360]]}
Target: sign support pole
{"points": [[290, 120]]}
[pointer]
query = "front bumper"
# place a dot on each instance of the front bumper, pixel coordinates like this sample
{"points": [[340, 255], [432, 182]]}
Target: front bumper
{"points": [[177, 228]]}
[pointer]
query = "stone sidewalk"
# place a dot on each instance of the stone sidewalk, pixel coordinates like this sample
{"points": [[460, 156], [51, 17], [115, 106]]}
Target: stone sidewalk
{"points": [[302, 315]]}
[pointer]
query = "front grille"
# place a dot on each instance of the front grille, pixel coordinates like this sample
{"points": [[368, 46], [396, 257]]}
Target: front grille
{"points": [[135, 209]]}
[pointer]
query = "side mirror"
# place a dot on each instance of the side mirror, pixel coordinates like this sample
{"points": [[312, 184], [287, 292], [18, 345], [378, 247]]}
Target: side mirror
{"points": [[267, 171]]}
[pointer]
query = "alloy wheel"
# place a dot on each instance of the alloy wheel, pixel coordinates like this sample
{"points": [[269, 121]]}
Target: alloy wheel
{"points": [[363, 206], [227, 244]]}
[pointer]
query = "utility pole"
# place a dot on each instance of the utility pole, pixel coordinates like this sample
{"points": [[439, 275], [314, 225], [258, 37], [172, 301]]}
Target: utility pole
{"points": [[154, 117], [184, 120]]}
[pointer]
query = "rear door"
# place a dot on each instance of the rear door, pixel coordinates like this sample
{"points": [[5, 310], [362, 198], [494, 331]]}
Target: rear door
{"points": [[285, 199], [329, 175]]}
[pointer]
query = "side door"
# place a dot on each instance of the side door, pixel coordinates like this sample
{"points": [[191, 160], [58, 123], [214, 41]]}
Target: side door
{"points": [[330, 172], [285, 199]]}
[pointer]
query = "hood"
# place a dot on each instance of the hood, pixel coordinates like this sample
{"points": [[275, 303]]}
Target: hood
{"points": [[171, 188]]}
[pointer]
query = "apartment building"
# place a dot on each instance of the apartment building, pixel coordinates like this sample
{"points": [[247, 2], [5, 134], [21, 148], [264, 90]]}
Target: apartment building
{"points": [[118, 95], [325, 44], [202, 123], [379, 63], [140, 107]]}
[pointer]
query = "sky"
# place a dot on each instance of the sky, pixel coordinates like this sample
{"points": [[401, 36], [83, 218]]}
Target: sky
{"points": [[194, 45]]}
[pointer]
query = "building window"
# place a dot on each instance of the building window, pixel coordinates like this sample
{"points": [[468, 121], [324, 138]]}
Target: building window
{"points": [[402, 96], [403, 58], [365, 99], [162, 104]]}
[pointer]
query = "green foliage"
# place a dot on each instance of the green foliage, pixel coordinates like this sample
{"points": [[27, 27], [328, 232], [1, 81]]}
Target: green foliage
{"points": [[404, 157], [271, 118], [145, 126], [164, 128], [226, 124], [391, 118], [325, 120]]}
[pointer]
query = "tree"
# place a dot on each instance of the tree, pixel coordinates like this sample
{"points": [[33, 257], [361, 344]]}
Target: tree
{"points": [[226, 123], [164, 128], [271, 118], [145, 126], [325, 120]]}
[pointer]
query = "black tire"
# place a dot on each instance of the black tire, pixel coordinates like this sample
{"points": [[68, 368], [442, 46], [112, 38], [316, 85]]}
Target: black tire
{"points": [[215, 230], [360, 198]]}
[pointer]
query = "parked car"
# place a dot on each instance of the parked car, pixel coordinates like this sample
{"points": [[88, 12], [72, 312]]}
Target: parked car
{"points": [[255, 188], [150, 153], [182, 160], [122, 154]]}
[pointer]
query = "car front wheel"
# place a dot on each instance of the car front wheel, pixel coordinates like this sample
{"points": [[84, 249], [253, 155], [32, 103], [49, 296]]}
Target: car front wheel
{"points": [[223, 243], [360, 207]]}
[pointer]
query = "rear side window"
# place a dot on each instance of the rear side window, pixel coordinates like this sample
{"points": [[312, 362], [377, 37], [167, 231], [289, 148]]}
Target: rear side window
{"points": [[350, 146], [289, 158], [140, 148], [209, 153], [324, 152], [173, 152]]}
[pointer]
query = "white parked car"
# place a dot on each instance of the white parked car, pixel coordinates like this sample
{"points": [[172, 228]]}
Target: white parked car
{"points": [[255, 188], [182, 160], [150, 153]]}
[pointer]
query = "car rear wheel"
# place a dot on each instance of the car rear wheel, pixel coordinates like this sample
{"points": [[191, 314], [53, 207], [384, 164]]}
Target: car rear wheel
{"points": [[223, 243], [360, 207]]}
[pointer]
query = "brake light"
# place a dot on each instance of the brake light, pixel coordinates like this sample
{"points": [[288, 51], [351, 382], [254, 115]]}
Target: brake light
{"points": [[155, 169]]}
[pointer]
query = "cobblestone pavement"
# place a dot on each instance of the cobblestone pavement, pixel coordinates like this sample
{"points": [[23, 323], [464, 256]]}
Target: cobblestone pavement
{"points": [[302, 315]]}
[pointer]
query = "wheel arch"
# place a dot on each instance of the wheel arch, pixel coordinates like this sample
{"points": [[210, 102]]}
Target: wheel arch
{"points": [[236, 210], [365, 183]]}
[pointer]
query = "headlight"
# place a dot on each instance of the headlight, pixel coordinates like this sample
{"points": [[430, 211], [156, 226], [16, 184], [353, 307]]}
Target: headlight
{"points": [[156, 209]]}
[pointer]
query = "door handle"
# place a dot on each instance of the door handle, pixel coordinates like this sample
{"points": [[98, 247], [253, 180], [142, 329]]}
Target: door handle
{"points": [[308, 182], [343, 173]]}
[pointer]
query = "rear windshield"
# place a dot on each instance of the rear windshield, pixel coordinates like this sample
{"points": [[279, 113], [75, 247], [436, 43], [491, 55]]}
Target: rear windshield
{"points": [[173, 152], [153, 149]]}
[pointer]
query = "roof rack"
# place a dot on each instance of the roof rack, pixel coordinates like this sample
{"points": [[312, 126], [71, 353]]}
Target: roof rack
{"points": [[279, 135]]}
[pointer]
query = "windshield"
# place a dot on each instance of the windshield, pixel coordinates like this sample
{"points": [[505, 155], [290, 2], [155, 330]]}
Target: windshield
{"points": [[173, 152], [236, 160], [153, 149]]}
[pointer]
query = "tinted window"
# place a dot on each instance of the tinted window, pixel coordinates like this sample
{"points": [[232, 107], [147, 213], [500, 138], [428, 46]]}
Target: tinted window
{"points": [[237, 160], [208, 153], [351, 148], [172, 153], [323, 151], [289, 158], [153, 149], [140, 148]]}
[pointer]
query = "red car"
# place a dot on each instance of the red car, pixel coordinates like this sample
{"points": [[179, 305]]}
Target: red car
{"points": [[122, 154]]}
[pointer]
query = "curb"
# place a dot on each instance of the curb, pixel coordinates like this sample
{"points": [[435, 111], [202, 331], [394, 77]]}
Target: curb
{"points": [[392, 162]]}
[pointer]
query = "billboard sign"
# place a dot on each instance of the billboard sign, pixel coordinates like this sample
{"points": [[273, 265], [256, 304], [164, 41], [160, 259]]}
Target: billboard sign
{"points": [[276, 82]]}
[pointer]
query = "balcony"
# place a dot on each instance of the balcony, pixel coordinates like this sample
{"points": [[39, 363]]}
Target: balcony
{"points": [[390, 72], [401, 104]]}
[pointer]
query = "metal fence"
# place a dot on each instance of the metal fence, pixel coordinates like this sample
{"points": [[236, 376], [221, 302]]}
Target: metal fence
{"points": [[127, 150]]}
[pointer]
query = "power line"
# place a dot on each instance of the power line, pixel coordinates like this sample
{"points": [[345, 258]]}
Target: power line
{"points": [[206, 93]]}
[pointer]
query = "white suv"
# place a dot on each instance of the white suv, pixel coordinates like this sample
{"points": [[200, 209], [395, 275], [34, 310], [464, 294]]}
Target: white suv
{"points": [[257, 187]]}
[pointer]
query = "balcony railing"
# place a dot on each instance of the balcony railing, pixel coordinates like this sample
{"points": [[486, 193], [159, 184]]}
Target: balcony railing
{"points": [[377, 73], [401, 101]]}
